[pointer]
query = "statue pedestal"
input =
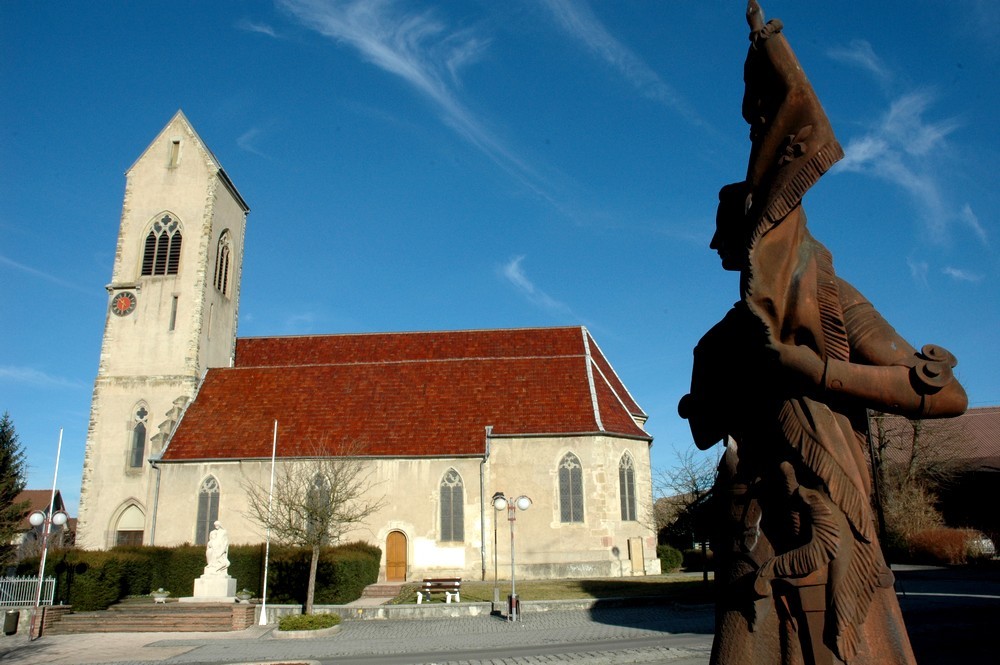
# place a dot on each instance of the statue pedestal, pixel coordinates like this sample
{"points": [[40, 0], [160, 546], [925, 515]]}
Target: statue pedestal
{"points": [[213, 589]]}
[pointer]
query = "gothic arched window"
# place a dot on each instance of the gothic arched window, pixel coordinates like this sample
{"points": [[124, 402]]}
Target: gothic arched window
{"points": [[129, 526], [208, 509], [137, 448], [452, 508], [626, 486], [162, 252], [222, 255], [570, 489], [318, 510]]}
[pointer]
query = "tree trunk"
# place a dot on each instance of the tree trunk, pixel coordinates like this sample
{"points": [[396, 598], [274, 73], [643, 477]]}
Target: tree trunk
{"points": [[311, 589]]}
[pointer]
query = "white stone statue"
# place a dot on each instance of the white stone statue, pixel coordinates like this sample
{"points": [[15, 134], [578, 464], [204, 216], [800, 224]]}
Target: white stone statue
{"points": [[217, 551]]}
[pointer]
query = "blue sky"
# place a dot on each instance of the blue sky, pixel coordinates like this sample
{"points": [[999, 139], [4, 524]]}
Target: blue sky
{"points": [[420, 165]]}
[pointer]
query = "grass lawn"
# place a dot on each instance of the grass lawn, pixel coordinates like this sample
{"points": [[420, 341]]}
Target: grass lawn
{"points": [[673, 587]]}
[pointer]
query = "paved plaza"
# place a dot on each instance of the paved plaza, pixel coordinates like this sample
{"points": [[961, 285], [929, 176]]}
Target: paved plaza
{"points": [[653, 634], [951, 615]]}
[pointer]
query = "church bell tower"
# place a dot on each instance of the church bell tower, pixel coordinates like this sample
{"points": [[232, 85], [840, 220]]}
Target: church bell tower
{"points": [[172, 314]]}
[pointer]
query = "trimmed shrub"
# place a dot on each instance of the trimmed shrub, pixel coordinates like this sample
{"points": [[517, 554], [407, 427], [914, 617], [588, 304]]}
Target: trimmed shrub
{"points": [[91, 580], [694, 559], [341, 575], [308, 621], [941, 546], [670, 558]]}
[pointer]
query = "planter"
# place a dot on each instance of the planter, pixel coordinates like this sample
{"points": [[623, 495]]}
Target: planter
{"points": [[160, 596], [303, 634]]}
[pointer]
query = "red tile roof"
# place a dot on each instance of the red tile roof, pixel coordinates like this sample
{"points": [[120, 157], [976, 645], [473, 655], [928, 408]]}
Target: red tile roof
{"points": [[403, 394], [972, 439]]}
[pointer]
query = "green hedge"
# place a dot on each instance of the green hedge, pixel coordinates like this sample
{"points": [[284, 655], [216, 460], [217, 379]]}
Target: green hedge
{"points": [[670, 558], [93, 580], [695, 559], [341, 575]]}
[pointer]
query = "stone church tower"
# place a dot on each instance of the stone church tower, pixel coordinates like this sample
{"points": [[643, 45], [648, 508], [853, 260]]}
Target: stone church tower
{"points": [[172, 314]]}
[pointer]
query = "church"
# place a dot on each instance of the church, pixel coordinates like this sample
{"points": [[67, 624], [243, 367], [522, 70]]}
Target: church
{"points": [[185, 414]]}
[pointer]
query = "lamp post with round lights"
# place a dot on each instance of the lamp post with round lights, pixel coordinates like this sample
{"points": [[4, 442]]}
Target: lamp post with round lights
{"points": [[500, 502], [45, 519]]}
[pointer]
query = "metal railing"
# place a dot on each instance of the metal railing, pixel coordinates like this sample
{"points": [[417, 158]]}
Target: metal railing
{"points": [[20, 591]]}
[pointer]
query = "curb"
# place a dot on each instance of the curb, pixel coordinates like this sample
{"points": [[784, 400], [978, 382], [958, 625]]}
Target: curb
{"points": [[456, 610], [303, 634]]}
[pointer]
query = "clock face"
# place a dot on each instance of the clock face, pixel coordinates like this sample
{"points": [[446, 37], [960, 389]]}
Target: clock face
{"points": [[123, 303]]}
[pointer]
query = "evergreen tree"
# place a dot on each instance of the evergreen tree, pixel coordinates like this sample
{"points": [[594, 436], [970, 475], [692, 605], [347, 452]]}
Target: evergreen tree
{"points": [[13, 476]]}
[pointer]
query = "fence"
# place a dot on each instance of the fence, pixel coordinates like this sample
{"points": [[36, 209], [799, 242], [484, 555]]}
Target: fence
{"points": [[20, 591]]}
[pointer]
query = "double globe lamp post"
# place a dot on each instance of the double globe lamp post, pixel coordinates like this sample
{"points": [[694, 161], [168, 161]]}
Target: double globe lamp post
{"points": [[46, 520], [500, 503]]}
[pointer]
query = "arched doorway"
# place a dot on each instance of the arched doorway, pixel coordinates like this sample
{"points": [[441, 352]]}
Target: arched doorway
{"points": [[395, 557]]}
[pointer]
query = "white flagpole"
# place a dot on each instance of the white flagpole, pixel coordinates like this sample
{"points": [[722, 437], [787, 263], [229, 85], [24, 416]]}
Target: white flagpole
{"points": [[267, 546]]}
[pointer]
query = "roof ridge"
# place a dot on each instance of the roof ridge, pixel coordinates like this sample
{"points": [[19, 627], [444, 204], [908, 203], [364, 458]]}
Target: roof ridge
{"points": [[410, 361], [590, 382], [413, 332]]}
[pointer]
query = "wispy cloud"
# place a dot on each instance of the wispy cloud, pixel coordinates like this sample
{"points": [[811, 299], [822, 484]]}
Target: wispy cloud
{"points": [[861, 54], [513, 272], [969, 218], [33, 377], [419, 48], [577, 20], [962, 275], [248, 141], [902, 149], [44, 275], [247, 25], [302, 322], [918, 270]]}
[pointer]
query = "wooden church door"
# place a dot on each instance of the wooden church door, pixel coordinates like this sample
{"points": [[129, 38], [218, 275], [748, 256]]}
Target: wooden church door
{"points": [[395, 557]]}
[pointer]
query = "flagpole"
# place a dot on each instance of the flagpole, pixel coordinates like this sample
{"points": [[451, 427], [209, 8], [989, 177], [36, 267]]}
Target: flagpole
{"points": [[46, 529], [267, 546]]}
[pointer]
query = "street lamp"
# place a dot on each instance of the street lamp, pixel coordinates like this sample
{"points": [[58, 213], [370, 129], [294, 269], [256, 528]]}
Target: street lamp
{"points": [[500, 502], [497, 496], [45, 519]]}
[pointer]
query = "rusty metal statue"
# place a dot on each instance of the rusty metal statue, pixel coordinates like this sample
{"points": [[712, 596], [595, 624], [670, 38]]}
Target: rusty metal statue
{"points": [[785, 380]]}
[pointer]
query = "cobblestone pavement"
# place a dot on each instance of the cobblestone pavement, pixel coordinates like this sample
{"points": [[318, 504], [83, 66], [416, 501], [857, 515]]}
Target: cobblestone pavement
{"points": [[678, 635]]}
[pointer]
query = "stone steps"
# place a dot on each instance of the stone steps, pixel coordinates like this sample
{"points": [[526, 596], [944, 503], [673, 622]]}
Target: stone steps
{"points": [[382, 590], [143, 618]]}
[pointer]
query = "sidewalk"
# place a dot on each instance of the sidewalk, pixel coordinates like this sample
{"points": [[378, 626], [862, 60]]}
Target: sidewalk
{"points": [[468, 639]]}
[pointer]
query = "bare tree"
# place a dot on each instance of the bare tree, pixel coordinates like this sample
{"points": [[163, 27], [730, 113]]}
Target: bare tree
{"points": [[682, 487], [913, 461], [316, 501]]}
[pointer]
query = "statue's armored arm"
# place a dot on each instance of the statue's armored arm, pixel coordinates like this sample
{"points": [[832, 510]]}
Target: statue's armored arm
{"points": [[922, 385]]}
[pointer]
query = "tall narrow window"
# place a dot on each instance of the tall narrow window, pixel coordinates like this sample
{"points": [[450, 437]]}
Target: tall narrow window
{"points": [[161, 253], [319, 510], [452, 508], [626, 486], [173, 313], [175, 153], [222, 255], [208, 509], [570, 489], [137, 449]]}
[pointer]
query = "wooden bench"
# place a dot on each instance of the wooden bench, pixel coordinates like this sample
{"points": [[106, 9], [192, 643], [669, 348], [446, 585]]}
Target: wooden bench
{"points": [[449, 586]]}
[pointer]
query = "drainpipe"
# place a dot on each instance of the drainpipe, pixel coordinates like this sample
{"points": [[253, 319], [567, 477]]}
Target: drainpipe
{"points": [[482, 499], [156, 502]]}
